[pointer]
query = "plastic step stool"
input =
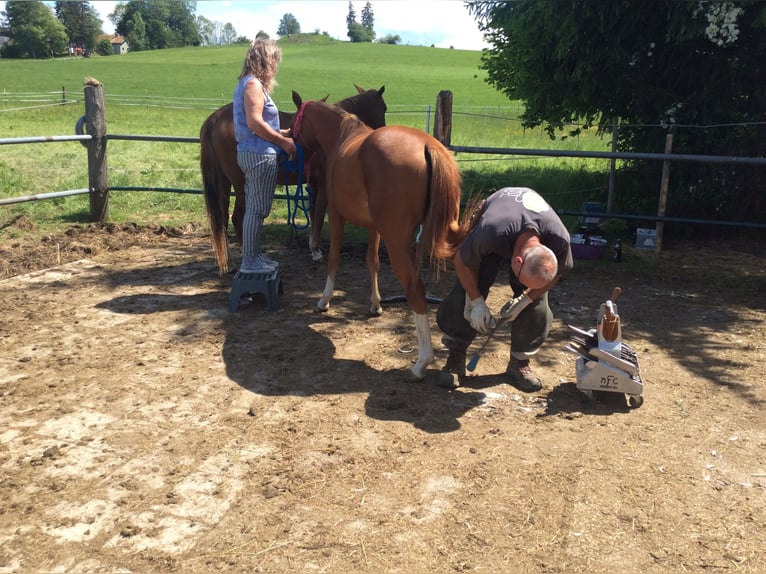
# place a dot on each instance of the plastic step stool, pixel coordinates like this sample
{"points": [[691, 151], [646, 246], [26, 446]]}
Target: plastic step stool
{"points": [[267, 284]]}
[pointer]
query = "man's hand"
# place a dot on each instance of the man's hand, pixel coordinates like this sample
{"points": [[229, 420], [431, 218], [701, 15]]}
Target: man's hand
{"points": [[515, 306], [478, 315]]}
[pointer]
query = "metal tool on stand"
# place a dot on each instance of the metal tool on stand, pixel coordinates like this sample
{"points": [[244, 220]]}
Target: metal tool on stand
{"points": [[605, 362]]}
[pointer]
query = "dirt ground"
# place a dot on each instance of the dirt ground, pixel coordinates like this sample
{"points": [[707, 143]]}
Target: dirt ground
{"points": [[145, 428]]}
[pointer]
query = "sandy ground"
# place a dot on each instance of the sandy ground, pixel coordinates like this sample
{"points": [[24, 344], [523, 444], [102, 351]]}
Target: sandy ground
{"points": [[146, 428]]}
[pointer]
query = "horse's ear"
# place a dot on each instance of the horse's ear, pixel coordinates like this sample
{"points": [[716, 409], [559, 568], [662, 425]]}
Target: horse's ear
{"points": [[359, 90], [297, 100], [325, 98], [381, 90]]}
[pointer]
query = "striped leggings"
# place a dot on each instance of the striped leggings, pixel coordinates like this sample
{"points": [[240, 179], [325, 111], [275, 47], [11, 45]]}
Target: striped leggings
{"points": [[260, 184]]}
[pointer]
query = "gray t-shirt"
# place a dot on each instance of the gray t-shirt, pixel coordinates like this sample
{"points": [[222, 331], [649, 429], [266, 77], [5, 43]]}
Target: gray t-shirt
{"points": [[504, 216]]}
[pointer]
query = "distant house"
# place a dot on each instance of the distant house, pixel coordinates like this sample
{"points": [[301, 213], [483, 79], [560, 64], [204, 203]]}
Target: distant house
{"points": [[119, 44]]}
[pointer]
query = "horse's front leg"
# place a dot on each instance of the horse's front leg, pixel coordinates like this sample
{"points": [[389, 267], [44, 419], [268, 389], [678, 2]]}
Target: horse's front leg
{"points": [[333, 259], [373, 266]]}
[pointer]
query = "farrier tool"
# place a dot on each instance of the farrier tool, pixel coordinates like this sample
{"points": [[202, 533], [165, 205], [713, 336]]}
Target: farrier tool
{"points": [[605, 362]]}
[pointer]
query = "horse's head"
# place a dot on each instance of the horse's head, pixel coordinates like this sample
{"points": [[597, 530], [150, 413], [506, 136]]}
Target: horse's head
{"points": [[304, 130], [368, 106]]}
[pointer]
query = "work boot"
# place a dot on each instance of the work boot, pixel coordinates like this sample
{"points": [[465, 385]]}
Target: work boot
{"points": [[453, 372], [522, 377]]}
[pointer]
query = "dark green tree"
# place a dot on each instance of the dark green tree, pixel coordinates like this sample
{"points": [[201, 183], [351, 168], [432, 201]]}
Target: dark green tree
{"points": [[135, 33], [363, 32], [288, 25], [81, 21], [368, 19], [104, 47], [655, 66], [167, 23], [390, 39], [35, 32], [358, 33], [351, 16]]}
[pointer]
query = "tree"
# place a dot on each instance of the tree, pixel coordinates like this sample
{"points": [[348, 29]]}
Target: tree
{"points": [[104, 47], [135, 33], [35, 31], [368, 19], [351, 17], [288, 25], [358, 33], [363, 32], [654, 66], [81, 22], [227, 34], [166, 24], [390, 39], [206, 29]]}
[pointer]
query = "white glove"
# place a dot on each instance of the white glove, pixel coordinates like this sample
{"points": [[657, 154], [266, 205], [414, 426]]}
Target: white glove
{"points": [[478, 314], [515, 306]]}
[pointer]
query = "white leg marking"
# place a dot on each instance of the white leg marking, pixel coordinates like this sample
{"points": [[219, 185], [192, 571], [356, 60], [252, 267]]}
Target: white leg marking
{"points": [[425, 347]]}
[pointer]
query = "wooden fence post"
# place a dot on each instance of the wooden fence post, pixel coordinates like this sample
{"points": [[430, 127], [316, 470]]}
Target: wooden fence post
{"points": [[612, 169], [95, 126], [660, 227], [443, 117]]}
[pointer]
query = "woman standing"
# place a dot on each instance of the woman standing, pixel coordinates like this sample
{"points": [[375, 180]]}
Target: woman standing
{"points": [[259, 140]]}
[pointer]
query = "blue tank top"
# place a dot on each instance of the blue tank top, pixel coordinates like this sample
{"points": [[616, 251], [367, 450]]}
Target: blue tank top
{"points": [[246, 138]]}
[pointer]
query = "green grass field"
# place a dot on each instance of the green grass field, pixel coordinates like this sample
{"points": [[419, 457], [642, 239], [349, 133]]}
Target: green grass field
{"points": [[171, 92]]}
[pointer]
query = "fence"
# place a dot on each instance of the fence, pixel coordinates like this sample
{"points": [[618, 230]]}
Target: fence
{"points": [[93, 134]]}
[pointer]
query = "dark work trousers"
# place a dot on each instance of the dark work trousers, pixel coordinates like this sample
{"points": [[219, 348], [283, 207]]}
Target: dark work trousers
{"points": [[528, 330]]}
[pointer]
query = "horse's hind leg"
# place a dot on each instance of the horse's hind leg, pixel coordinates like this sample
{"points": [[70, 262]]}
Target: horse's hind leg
{"points": [[403, 264], [333, 259], [373, 266]]}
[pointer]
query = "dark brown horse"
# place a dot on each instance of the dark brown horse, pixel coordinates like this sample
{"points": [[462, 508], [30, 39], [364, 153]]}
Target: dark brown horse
{"points": [[391, 181], [220, 171]]}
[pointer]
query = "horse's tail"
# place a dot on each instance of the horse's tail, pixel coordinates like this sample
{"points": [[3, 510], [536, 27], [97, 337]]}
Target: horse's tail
{"points": [[442, 232], [217, 191]]}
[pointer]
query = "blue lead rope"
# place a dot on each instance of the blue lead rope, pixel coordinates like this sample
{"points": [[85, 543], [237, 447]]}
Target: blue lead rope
{"points": [[300, 200]]}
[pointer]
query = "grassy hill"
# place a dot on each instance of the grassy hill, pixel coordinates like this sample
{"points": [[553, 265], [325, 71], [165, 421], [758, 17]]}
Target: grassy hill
{"points": [[313, 65], [171, 92]]}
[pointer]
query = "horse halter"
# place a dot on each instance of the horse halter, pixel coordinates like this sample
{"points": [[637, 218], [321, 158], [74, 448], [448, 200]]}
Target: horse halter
{"points": [[296, 131]]}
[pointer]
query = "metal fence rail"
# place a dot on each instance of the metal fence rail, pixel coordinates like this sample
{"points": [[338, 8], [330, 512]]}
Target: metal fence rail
{"points": [[88, 140]]}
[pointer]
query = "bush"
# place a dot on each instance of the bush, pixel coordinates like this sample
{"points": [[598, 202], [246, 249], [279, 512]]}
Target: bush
{"points": [[104, 47]]}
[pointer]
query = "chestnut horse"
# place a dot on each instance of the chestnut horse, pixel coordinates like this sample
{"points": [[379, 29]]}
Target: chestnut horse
{"points": [[391, 181], [220, 171]]}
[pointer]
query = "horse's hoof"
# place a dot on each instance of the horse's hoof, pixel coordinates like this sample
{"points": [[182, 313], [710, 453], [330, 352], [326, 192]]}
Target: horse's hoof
{"points": [[376, 311], [419, 371], [317, 257], [323, 307]]}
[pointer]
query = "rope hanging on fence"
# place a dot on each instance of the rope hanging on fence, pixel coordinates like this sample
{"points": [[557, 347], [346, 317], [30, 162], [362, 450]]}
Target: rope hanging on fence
{"points": [[300, 201]]}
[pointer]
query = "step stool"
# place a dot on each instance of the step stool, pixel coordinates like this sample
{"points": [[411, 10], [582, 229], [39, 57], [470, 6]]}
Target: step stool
{"points": [[267, 284]]}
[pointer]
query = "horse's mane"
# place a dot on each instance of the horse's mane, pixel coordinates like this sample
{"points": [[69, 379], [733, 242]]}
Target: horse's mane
{"points": [[348, 122]]}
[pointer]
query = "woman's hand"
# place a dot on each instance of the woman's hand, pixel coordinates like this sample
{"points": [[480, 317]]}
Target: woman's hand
{"points": [[289, 147]]}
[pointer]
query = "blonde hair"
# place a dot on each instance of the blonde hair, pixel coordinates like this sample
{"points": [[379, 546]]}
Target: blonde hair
{"points": [[262, 60]]}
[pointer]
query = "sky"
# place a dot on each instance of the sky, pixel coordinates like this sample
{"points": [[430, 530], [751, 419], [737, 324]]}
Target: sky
{"points": [[442, 23]]}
